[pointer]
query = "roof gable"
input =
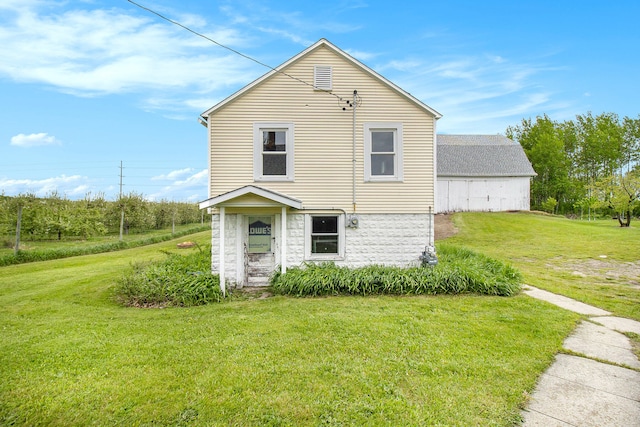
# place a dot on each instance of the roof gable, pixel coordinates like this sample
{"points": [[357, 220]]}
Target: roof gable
{"points": [[251, 195], [322, 43], [481, 156]]}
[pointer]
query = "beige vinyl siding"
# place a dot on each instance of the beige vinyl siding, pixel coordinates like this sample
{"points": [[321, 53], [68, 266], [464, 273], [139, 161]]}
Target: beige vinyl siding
{"points": [[323, 139]]}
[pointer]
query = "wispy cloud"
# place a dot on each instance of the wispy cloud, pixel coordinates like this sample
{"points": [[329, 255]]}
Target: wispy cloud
{"points": [[96, 52], [186, 185], [292, 25], [481, 93], [69, 185], [361, 55], [173, 175], [34, 140]]}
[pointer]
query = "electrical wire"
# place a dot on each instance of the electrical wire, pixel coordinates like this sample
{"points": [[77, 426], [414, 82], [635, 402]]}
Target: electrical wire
{"points": [[231, 49]]}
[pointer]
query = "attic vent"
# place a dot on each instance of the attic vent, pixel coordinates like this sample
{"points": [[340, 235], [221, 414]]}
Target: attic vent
{"points": [[322, 77]]}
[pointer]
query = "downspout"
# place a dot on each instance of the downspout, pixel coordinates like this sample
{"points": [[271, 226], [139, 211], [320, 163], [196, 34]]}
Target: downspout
{"points": [[432, 242], [353, 131]]}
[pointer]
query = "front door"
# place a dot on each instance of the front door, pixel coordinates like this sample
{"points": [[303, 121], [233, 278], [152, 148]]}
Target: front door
{"points": [[260, 254]]}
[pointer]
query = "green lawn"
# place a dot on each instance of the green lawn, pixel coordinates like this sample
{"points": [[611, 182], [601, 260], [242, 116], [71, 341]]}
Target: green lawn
{"points": [[70, 356], [596, 262]]}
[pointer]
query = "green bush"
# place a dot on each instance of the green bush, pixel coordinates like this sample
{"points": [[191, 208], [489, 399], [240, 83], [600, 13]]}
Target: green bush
{"points": [[459, 271], [179, 280], [549, 205]]}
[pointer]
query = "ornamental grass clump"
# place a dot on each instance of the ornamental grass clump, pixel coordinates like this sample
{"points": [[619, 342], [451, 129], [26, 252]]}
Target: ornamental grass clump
{"points": [[459, 271], [179, 280]]}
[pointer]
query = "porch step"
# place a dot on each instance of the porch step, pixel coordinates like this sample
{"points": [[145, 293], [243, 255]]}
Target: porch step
{"points": [[259, 269]]}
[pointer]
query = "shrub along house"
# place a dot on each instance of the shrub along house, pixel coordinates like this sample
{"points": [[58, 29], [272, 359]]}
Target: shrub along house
{"points": [[321, 159]]}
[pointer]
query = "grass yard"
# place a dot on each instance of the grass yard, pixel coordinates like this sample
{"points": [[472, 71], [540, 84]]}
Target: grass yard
{"points": [[70, 356], [595, 262], [73, 242]]}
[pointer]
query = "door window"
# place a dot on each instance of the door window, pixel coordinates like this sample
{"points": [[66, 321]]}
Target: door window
{"points": [[259, 234]]}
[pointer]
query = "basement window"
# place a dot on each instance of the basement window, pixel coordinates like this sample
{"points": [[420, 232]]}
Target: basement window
{"points": [[324, 237]]}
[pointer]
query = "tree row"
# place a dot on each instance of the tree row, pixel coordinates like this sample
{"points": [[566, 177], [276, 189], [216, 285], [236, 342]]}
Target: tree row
{"points": [[55, 216], [584, 165]]}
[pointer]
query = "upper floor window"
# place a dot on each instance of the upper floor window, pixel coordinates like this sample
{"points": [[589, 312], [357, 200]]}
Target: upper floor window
{"points": [[273, 151], [383, 152]]}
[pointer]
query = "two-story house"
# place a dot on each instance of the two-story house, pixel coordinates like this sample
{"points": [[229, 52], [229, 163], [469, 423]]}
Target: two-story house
{"points": [[320, 159]]}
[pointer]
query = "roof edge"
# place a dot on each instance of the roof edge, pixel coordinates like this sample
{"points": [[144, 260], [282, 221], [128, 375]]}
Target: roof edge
{"points": [[319, 43], [251, 189]]}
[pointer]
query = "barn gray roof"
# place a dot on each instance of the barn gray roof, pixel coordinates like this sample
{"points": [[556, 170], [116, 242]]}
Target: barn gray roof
{"points": [[481, 156]]}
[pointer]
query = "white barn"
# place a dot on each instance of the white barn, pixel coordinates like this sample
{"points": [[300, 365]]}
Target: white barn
{"points": [[482, 173]]}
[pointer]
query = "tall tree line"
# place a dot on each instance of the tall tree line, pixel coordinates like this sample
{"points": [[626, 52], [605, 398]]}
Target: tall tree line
{"points": [[55, 216], [582, 163]]}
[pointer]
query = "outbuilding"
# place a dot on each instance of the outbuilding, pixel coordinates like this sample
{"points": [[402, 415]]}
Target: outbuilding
{"points": [[482, 173]]}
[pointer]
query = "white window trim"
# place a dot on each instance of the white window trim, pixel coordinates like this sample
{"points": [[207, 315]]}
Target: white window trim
{"points": [[398, 162], [258, 127], [307, 239]]}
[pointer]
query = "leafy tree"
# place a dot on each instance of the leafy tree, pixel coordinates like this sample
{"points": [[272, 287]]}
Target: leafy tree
{"points": [[619, 193], [631, 142], [549, 205], [88, 216], [137, 212], [600, 142], [574, 158], [543, 144], [56, 218]]}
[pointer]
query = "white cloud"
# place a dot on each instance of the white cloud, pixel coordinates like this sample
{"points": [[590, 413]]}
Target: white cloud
{"points": [[34, 140], [476, 94], [41, 187], [292, 25], [173, 175], [94, 52], [178, 189], [361, 55]]}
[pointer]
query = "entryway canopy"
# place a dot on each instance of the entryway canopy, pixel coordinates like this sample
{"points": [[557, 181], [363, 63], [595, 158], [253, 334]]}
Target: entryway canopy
{"points": [[248, 197], [251, 196]]}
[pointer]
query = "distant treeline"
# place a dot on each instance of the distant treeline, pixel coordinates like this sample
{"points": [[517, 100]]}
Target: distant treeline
{"points": [[57, 217], [586, 164]]}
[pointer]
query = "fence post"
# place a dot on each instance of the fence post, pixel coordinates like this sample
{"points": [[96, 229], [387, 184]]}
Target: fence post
{"points": [[18, 225]]}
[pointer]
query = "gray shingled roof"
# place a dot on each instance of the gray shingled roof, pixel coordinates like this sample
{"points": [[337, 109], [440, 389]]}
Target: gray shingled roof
{"points": [[481, 156]]}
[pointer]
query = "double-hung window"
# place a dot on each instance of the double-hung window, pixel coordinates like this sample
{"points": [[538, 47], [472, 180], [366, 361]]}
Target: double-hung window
{"points": [[383, 152], [325, 236], [273, 151]]}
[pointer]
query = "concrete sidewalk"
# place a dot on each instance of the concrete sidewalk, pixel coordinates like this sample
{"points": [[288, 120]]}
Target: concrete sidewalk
{"points": [[582, 391]]}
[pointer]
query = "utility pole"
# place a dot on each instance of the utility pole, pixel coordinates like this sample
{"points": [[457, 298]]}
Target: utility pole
{"points": [[121, 204]]}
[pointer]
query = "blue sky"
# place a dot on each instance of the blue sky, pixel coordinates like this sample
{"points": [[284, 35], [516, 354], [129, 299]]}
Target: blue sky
{"points": [[87, 84]]}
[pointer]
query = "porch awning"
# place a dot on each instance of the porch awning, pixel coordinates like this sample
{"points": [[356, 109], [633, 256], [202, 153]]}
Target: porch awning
{"points": [[251, 195]]}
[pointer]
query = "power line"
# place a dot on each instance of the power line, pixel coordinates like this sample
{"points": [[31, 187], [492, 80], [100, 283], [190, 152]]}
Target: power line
{"points": [[231, 49]]}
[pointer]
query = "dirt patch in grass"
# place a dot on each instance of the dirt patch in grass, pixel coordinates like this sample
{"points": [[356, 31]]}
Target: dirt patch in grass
{"points": [[444, 226], [613, 271]]}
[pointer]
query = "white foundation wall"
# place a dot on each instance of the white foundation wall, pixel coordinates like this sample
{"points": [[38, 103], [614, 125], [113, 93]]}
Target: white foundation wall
{"points": [[389, 239], [231, 247]]}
